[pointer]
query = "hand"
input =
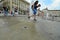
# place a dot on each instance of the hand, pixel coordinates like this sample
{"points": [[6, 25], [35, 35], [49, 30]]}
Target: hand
{"points": [[39, 5]]}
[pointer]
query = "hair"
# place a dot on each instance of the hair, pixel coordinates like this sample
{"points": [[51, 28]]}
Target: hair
{"points": [[36, 2], [39, 5]]}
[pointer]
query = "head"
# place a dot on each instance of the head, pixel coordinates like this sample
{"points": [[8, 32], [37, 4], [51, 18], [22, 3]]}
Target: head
{"points": [[36, 2]]}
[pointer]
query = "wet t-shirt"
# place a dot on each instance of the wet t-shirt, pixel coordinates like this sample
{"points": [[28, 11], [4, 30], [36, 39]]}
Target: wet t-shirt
{"points": [[35, 7]]}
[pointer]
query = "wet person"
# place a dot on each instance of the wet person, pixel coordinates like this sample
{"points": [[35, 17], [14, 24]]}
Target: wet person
{"points": [[5, 10], [34, 9]]}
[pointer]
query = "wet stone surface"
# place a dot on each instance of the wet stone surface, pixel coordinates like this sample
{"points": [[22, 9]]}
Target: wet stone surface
{"points": [[21, 28]]}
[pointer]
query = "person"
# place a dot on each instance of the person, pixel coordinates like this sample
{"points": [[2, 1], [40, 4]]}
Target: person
{"points": [[42, 14], [12, 12], [16, 10], [34, 9], [5, 10], [28, 13]]}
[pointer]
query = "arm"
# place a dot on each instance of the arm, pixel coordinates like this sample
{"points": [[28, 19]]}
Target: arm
{"points": [[38, 6], [32, 7]]}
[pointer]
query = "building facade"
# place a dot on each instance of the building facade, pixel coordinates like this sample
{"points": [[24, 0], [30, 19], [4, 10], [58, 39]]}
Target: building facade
{"points": [[51, 12], [22, 5], [1, 4]]}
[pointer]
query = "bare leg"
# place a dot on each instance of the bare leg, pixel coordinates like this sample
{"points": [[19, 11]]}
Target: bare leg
{"points": [[34, 17], [28, 15]]}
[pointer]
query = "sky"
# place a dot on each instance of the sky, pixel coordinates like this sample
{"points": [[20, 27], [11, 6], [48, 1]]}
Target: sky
{"points": [[50, 4]]}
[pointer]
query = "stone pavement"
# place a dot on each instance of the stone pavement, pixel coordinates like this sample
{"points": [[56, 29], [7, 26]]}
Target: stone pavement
{"points": [[21, 28]]}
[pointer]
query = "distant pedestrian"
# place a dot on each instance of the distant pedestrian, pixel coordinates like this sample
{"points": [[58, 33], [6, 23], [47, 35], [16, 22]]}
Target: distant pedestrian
{"points": [[16, 10], [12, 12], [28, 13], [5, 10], [42, 14]]}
